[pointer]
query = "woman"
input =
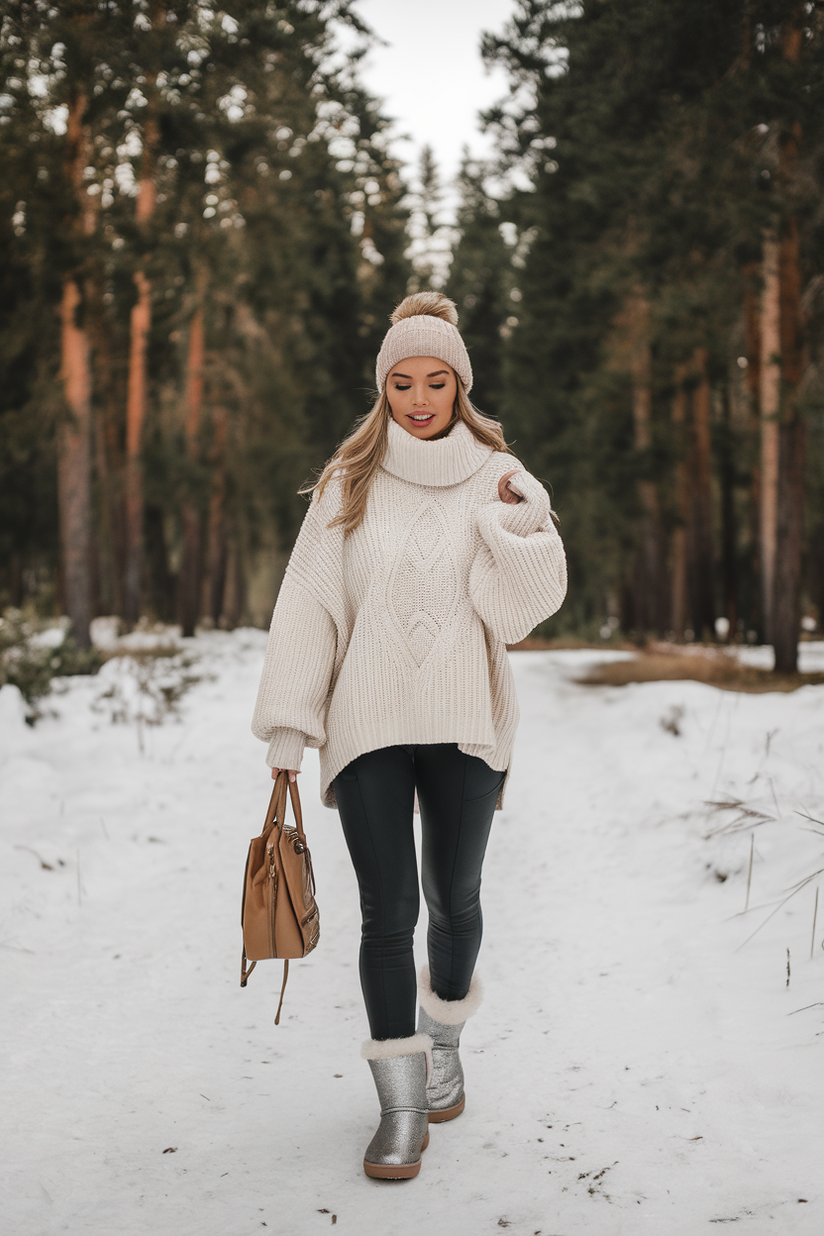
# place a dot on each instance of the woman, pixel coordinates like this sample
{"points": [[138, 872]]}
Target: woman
{"points": [[426, 549]]}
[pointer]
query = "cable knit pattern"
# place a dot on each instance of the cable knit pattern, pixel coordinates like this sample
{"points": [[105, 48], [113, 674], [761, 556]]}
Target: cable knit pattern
{"points": [[396, 634]]}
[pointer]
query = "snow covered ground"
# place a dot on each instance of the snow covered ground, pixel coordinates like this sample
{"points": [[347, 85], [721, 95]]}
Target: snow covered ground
{"points": [[633, 1068]]}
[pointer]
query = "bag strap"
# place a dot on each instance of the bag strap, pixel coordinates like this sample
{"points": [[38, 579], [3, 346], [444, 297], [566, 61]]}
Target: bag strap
{"points": [[245, 968], [282, 990], [277, 803], [295, 797], [276, 811]]}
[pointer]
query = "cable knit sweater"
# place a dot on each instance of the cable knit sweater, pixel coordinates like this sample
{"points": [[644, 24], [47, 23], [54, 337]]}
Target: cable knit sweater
{"points": [[396, 634]]}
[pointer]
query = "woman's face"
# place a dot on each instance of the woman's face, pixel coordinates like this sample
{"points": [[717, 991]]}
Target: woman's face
{"points": [[421, 392]]}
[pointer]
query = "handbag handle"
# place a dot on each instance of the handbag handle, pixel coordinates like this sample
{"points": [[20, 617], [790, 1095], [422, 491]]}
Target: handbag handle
{"points": [[296, 809], [277, 805]]}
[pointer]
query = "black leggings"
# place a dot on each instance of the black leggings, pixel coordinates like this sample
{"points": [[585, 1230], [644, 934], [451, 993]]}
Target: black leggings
{"points": [[457, 794]]}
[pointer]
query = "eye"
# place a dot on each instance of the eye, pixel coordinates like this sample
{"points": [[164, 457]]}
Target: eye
{"points": [[437, 386], [398, 387]]}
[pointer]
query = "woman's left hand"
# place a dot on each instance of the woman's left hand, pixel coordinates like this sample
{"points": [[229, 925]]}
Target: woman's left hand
{"points": [[508, 490]]}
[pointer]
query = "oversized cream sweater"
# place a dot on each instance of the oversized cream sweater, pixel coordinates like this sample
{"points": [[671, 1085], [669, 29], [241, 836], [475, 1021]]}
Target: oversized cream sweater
{"points": [[396, 634]]}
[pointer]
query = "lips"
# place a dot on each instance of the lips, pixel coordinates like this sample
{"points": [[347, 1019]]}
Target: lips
{"points": [[425, 419]]}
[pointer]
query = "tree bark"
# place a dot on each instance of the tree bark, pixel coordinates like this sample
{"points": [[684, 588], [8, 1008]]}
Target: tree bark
{"points": [[752, 390], [107, 450], [190, 565], [679, 536], [217, 516], [792, 437], [729, 529], [770, 404], [74, 471], [74, 467], [792, 441], [651, 602], [140, 326], [234, 604], [699, 540]]}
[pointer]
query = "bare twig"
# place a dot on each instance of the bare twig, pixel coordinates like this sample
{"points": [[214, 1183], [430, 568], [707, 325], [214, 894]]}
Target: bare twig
{"points": [[748, 817], [815, 919], [749, 872], [817, 1005], [772, 791], [797, 889]]}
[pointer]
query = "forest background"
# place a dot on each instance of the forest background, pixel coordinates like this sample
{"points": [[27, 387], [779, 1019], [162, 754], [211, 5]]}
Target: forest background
{"points": [[204, 231]]}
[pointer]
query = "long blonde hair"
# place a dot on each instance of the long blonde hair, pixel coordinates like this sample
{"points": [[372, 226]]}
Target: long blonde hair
{"points": [[360, 455]]}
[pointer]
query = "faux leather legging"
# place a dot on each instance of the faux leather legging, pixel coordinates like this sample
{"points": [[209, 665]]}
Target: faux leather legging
{"points": [[457, 794]]}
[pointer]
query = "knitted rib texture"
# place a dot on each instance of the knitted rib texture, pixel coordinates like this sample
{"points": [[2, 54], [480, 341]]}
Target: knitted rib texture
{"points": [[423, 335], [396, 634]]}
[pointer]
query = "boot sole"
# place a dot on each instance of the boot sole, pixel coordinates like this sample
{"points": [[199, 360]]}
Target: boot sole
{"points": [[448, 1113], [393, 1171]]}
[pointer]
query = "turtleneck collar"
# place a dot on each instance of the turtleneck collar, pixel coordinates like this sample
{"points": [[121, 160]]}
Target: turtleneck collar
{"points": [[444, 461]]}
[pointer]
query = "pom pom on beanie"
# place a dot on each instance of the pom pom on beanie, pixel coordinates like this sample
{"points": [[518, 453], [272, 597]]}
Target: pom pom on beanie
{"points": [[425, 324]]}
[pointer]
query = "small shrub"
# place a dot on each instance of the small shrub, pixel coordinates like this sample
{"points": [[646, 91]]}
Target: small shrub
{"points": [[30, 659], [145, 688]]}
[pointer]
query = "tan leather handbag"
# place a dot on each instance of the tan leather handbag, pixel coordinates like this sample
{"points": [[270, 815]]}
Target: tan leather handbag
{"points": [[278, 913]]}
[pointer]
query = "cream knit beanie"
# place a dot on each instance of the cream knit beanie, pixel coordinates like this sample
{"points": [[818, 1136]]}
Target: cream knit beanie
{"points": [[425, 324]]}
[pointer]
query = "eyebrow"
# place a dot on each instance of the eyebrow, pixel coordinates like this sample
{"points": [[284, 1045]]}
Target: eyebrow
{"points": [[429, 375]]}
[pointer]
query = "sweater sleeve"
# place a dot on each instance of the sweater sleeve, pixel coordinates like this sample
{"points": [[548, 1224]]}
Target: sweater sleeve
{"points": [[519, 575], [290, 711]]}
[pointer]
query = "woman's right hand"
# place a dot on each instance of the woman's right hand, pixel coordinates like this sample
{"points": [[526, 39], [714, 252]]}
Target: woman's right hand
{"points": [[292, 773]]}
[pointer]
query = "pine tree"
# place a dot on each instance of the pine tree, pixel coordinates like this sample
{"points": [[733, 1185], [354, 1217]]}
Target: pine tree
{"points": [[648, 132], [483, 283], [249, 234]]}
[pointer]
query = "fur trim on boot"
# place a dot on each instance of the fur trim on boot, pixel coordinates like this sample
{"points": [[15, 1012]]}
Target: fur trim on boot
{"points": [[448, 1012], [390, 1049]]}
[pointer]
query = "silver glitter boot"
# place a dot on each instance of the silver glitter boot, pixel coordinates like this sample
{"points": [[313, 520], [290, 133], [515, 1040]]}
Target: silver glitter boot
{"points": [[400, 1068], [444, 1020]]}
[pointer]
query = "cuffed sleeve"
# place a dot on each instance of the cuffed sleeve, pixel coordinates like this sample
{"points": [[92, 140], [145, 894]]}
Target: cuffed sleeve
{"points": [[286, 749], [519, 575], [290, 712]]}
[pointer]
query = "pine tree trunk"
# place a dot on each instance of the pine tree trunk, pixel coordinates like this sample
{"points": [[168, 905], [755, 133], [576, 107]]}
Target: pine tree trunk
{"points": [[699, 540], [107, 452], [217, 517], [74, 467], [792, 440], [679, 536], [190, 565], [140, 326], [752, 388], [234, 603], [729, 529], [770, 404], [792, 436], [651, 603]]}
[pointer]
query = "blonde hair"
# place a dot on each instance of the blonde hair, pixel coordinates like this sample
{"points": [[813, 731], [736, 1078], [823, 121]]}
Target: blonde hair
{"points": [[360, 455], [425, 304]]}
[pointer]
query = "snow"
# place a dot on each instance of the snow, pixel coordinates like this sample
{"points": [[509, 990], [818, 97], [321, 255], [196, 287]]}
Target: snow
{"points": [[636, 1066]]}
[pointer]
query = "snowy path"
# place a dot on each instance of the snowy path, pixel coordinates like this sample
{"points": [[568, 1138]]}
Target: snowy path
{"points": [[629, 1070]]}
